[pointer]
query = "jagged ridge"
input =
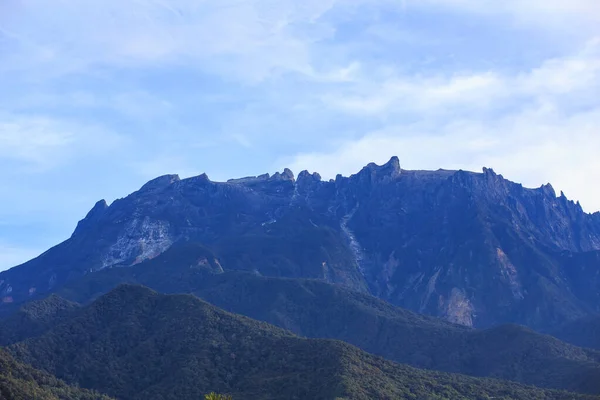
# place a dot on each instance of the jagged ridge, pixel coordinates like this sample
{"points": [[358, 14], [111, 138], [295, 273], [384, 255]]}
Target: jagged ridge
{"points": [[472, 248]]}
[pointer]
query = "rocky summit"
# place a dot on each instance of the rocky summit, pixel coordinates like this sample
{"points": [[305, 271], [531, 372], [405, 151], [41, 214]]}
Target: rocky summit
{"points": [[472, 248]]}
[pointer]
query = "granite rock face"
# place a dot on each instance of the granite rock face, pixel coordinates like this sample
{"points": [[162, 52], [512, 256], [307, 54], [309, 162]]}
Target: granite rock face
{"points": [[473, 248]]}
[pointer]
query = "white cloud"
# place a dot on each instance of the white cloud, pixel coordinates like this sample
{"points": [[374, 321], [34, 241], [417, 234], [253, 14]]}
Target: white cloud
{"points": [[564, 75], [416, 94], [533, 147], [317, 68], [539, 12], [536, 127], [39, 142], [470, 91], [31, 139], [245, 39]]}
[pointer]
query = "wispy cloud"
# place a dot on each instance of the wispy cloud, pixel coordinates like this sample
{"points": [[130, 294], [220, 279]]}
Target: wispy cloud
{"points": [[96, 97], [539, 12], [535, 126], [473, 92], [37, 143], [246, 39], [30, 140]]}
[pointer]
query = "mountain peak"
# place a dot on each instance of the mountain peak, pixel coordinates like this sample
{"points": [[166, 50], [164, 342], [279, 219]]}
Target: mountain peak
{"points": [[381, 173], [93, 216], [379, 230], [286, 175], [160, 183], [393, 165], [488, 171], [395, 162], [548, 190], [315, 176], [390, 168], [98, 208], [128, 293]]}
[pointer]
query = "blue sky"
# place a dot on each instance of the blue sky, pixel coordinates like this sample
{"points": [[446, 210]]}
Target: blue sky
{"points": [[97, 97]]}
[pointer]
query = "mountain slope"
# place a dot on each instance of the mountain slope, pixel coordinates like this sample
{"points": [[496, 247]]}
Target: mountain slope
{"points": [[315, 309], [35, 318], [136, 344], [21, 382], [319, 310], [475, 249], [584, 332]]}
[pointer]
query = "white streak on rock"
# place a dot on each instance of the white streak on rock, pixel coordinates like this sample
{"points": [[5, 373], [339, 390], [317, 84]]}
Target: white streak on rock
{"points": [[458, 309], [509, 272], [355, 246], [430, 289], [141, 240]]}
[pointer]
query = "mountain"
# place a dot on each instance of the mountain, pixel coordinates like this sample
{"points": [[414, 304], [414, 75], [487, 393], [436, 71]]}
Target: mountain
{"points": [[35, 318], [21, 382], [584, 332], [472, 248], [134, 343], [316, 309]]}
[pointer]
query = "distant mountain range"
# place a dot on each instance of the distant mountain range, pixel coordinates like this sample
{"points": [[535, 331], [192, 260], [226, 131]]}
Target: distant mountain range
{"points": [[134, 343], [472, 248], [437, 270]]}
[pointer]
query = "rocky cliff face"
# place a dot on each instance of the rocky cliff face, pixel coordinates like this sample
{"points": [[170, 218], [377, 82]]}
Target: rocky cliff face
{"points": [[473, 248]]}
